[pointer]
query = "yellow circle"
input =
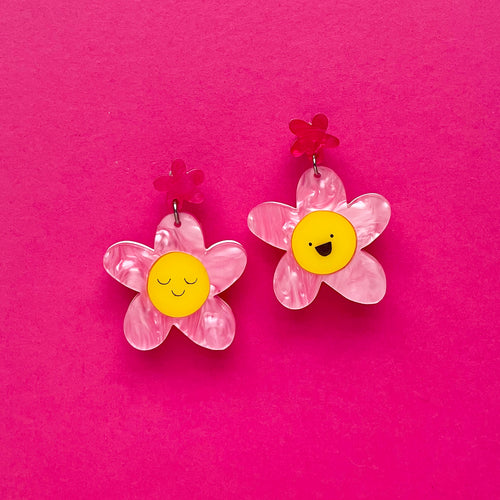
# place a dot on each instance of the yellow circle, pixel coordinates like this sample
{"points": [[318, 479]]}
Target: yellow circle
{"points": [[178, 284], [323, 242]]}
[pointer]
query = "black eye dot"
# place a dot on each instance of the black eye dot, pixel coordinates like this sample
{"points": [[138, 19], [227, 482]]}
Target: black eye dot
{"points": [[331, 236], [310, 244]]}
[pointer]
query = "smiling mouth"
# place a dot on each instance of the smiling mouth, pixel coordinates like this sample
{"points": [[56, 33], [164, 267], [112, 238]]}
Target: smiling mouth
{"points": [[178, 295], [324, 249]]}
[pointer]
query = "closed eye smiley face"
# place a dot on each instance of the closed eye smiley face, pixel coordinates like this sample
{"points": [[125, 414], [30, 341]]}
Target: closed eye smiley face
{"points": [[323, 242], [178, 284]]}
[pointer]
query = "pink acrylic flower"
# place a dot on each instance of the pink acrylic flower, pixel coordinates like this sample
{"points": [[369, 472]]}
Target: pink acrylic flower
{"points": [[362, 279], [212, 325], [312, 137], [180, 184]]}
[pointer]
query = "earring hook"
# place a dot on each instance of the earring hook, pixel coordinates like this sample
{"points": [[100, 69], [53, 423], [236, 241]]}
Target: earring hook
{"points": [[315, 167], [176, 213]]}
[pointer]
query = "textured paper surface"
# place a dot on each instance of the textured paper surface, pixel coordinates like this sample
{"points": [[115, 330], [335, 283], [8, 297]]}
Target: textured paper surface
{"points": [[397, 400]]}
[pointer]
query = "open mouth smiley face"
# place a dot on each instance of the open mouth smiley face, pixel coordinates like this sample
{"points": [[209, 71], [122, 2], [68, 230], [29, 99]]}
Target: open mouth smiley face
{"points": [[178, 284], [323, 242]]}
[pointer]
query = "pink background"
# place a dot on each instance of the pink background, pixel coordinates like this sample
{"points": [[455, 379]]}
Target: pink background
{"points": [[397, 400]]}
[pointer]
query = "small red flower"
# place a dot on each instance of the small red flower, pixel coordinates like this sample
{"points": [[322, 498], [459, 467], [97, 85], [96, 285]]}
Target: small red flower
{"points": [[181, 185], [312, 137]]}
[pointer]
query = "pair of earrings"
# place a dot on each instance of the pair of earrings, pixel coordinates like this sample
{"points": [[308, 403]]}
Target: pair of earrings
{"points": [[178, 281]]}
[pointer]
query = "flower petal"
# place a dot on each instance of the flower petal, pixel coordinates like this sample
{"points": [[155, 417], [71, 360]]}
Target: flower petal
{"points": [[144, 326], [178, 168], [196, 176], [274, 223], [185, 238], [362, 280], [331, 141], [212, 326], [369, 214], [320, 121], [225, 262], [301, 145], [129, 263], [299, 127], [294, 287], [320, 193]]}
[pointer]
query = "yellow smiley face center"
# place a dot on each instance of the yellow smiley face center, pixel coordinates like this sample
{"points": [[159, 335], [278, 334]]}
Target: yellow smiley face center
{"points": [[323, 242], [178, 284]]}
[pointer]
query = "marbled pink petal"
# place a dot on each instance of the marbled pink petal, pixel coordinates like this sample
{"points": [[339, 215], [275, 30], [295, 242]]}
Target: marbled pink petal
{"points": [[129, 263], [225, 262], [185, 238], [362, 280], [274, 223], [294, 287], [369, 214], [144, 326], [320, 193], [212, 326]]}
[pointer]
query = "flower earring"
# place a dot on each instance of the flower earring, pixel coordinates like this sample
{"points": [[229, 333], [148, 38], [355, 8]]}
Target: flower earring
{"points": [[178, 281], [323, 236]]}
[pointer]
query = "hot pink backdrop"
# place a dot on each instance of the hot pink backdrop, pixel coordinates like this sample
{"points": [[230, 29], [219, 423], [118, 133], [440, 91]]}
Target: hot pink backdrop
{"points": [[397, 400]]}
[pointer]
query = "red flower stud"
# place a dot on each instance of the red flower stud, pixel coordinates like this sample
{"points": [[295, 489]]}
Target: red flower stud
{"points": [[312, 137], [180, 184]]}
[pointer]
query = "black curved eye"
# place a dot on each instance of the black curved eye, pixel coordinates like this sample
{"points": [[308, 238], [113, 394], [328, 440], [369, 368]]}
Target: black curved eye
{"points": [[331, 236], [161, 283], [310, 244], [190, 282]]}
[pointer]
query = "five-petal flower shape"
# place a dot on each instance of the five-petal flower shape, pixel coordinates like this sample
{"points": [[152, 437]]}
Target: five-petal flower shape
{"points": [[312, 137], [180, 184], [362, 279], [212, 324]]}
